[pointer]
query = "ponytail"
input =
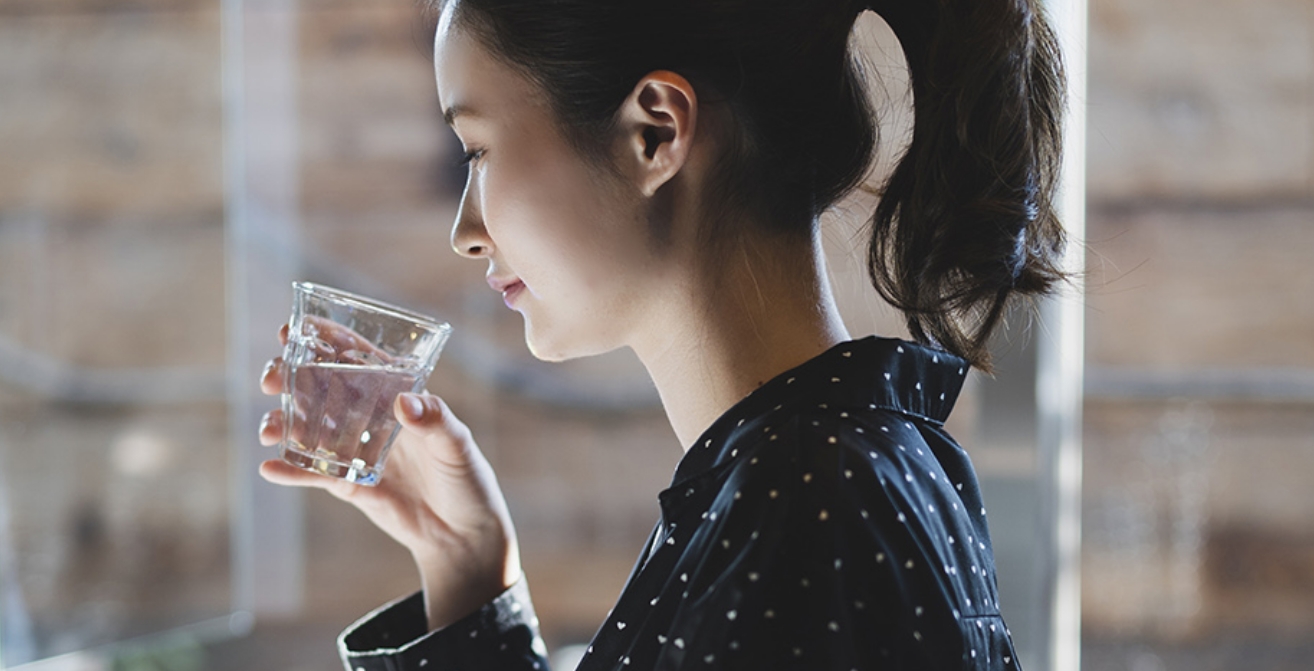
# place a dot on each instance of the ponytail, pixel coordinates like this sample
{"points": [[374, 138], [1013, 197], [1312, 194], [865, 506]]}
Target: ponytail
{"points": [[966, 221]]}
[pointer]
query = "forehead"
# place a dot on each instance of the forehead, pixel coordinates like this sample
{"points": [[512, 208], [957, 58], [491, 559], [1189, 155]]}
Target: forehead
{"points": [[452, 58], [470, 79]]}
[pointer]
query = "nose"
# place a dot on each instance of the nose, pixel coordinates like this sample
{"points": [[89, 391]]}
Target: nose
{"points": [[469, 237]]}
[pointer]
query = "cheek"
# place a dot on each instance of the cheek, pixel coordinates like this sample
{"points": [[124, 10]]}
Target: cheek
{"points": [[556, 226]]}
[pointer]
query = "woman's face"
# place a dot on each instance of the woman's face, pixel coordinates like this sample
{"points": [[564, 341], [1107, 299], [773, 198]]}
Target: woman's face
{"points": [[564, 239]]}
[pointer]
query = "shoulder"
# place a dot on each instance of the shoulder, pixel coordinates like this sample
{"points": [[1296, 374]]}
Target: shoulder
{"points": [[828, 505], [859, 461], [834, 443], [870, 472]]}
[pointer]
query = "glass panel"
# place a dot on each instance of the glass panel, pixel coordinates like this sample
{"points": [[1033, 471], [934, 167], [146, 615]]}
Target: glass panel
{"points": [[1199, 549], [114, 461], [1200, 440]]}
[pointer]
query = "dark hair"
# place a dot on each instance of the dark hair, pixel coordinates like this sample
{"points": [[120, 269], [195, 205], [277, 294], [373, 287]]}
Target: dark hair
{"points": [[965, 221]]}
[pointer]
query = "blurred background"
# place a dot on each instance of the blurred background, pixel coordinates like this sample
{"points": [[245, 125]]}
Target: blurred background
{"points": [[167, 167]]}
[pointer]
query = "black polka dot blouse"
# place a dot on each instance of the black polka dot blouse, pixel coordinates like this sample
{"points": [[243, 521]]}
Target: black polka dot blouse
{"points": [[826, 521]]}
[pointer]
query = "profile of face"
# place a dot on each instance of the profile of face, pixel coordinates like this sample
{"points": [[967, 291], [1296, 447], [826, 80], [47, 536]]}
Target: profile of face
{"points": [[567, 242]]}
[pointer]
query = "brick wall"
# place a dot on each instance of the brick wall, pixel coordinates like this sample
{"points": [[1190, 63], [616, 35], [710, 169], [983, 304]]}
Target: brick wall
{"points": [[1201, 220]]}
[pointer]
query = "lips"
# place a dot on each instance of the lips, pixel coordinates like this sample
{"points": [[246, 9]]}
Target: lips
{"points": [[511, 291], [509, 288]]}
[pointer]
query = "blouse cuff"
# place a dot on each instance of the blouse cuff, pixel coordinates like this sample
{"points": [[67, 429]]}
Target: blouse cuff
{"points": [[501, 634]]}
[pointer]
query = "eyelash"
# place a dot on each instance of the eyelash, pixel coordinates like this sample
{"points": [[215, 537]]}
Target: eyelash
{"points": [[468, 157]]}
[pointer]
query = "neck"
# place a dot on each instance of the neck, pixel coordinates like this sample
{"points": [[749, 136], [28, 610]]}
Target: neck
{"points": [[771, 311]]}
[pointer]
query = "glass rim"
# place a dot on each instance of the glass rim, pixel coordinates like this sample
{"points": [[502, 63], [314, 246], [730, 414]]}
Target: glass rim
{"points": [[373, 304]]}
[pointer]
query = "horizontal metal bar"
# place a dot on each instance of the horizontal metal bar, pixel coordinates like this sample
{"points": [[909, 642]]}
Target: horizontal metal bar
{"points": [[1291, 385], [55, 379], [101, 658]]}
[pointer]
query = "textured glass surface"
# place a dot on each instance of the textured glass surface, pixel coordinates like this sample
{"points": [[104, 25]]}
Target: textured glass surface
{"points": [[115, 497]]}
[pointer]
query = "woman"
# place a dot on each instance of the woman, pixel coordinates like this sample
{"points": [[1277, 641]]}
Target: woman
{"points": [[650, 175]]}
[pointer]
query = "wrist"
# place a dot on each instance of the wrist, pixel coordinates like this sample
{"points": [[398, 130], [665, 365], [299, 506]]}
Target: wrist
{"points": [[451, 595]]}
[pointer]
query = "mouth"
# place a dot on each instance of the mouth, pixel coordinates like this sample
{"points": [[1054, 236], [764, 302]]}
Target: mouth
{"points": [[510, 288], [511, 291]]}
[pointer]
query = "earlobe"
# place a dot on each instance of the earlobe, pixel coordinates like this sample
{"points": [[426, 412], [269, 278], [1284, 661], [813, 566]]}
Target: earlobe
{"points": [[659, 120]]}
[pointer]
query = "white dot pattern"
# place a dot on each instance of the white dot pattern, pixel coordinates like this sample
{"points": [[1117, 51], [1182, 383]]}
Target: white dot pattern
{"points": [[813, 523]]}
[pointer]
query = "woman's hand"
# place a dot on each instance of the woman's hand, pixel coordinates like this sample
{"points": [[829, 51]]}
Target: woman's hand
{"points": [[438, 497]]}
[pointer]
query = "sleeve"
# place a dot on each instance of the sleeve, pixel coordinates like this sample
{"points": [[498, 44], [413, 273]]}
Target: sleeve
{"points": [[810, 566], [502, 634]]}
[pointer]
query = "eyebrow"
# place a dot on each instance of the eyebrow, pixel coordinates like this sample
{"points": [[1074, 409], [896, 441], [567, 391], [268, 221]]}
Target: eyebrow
{"points": [[450, 114]]}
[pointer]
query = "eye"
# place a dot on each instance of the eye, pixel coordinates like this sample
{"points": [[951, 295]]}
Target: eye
{"points": [[469, 156]]}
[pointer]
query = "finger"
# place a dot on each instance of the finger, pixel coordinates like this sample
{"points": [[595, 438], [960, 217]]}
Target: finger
{"points": [[414, 411], [342, 338], [429, 416], [271, 378], [271, 428], [281, 473], [310, 383], [282, 334]]}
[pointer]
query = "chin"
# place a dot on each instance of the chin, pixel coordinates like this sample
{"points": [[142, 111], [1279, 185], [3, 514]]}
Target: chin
{"points": [[550, 355], [557, 347]]}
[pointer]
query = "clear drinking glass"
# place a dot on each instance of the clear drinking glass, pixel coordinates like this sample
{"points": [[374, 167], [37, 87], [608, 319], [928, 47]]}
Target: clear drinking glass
{"points": [[347, 359]]}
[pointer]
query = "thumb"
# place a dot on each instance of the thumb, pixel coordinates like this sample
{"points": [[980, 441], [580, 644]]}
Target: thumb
{"points": [[430, 417]]}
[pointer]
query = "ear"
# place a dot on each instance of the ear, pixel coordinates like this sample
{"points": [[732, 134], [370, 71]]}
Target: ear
{"points": [[657, 123]]}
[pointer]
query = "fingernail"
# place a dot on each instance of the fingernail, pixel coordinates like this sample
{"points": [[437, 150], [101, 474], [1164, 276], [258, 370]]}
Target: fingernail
{"points": [[412, 406]]}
